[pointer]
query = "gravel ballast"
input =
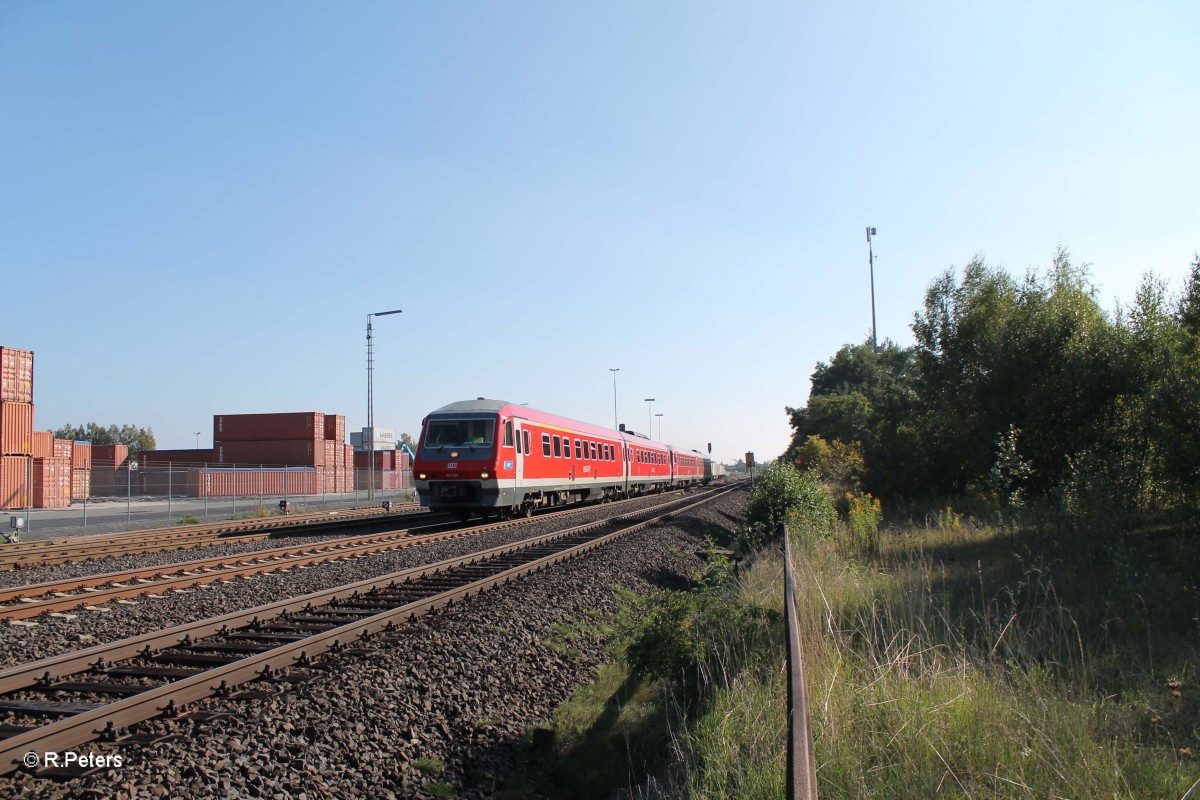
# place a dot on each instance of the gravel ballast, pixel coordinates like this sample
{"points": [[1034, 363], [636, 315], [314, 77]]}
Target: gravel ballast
{"points": [[459, 689]]}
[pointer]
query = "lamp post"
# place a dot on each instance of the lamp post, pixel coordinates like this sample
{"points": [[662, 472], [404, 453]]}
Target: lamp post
{"points": [[660, 416], [197, 440], [371, 397], [649, 416], [871, 258], [614, 372]]}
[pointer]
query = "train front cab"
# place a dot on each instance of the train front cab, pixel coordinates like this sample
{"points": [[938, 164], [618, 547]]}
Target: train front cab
{"points": [[456, 466]]}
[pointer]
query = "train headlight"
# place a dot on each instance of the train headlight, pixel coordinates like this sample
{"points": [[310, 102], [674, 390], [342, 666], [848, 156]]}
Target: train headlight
{"points": [[483, 475], [421, 476]]}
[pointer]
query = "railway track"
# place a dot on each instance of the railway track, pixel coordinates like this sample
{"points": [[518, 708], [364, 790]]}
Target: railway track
{"points": [[48, 552], [161, 672], [88, 592]]}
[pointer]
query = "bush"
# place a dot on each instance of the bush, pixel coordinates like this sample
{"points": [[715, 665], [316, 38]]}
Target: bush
{"points": [[864, 513], [786, 496]]}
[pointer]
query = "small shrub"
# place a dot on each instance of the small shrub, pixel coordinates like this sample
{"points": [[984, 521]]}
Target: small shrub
{"points": [[431, 766], [864, 512], [188, 519], [784, 495]]}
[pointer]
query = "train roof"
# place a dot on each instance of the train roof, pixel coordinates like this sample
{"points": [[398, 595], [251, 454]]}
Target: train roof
{"points": [[490, 406]]}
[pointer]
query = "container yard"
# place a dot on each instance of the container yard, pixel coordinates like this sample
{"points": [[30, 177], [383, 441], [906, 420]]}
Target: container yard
{"points": [[289, 454]]}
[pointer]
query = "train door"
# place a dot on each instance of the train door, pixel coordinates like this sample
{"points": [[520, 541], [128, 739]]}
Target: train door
{"points": [[520, 436]]}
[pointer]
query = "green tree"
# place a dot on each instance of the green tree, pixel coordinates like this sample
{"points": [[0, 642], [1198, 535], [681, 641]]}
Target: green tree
{"points": [[136, 438]]}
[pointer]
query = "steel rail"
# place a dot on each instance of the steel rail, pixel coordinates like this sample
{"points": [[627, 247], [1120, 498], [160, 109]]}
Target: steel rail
{"points": [[93, 724], [57, 551], [110, 586], [801, 763]]}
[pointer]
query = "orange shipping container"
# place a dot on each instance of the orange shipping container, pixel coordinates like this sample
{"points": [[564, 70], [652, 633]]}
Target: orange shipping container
{"points": [[81, 455], [81, 484], [63, 448], [43, 444], [14, 482], [16, 428], [16, 375], [51, 483], [176, 456], [330, 454]]}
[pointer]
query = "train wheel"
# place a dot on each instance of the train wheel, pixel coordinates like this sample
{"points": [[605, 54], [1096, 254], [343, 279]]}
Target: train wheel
{"points": [[527, 512]]}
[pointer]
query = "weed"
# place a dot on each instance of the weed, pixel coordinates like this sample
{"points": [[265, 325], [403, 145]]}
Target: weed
{"points": [[429, 765]]}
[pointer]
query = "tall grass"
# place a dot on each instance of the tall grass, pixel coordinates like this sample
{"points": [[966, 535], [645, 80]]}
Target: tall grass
{"points": [[931, 674]]}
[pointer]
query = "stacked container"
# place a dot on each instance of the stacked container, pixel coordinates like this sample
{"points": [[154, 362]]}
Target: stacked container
{"points": [[81, 470], [16, 425], [52, 482]]}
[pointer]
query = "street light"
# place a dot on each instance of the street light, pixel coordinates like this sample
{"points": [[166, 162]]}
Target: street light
{"points": [[660, 416], [871, 256], [614, 372], [649, 417], [197, 440], [371, 397]]}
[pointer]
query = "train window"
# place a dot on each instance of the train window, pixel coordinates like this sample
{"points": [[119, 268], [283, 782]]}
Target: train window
{"points": [[593, 451], [525, 436], [508, 433], [607, 453], [578, 449], [546, 444], [557, 447]]}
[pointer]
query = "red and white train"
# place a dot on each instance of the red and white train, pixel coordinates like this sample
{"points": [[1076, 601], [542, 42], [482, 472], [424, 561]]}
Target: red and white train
{"points": [[488, 456]]}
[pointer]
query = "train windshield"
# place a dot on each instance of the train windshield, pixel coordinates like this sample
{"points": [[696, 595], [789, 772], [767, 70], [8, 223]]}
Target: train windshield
{"points": [[472, 433]]}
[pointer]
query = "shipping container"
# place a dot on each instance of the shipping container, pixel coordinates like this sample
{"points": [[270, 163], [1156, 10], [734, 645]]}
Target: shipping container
{"points": [[308, 425], [63, 448], [329, 453], [81, 455], [109, 456], [305, 453], [384, 479], [335, 428], [225, 482], [16, 428], [14, 482], [16, 375], [384, 460], [42, 444], [81, 484], [51, 482], [201, 456], [385, 439]]}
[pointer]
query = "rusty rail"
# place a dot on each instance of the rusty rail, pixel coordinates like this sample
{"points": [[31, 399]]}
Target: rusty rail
{"points": [[801, 764], [151, 702]]}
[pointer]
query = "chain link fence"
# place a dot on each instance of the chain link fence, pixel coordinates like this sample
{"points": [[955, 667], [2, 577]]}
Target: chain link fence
{"points": [[111, 497]]}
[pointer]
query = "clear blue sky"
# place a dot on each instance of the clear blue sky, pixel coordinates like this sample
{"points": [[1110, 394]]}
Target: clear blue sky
{"points": [[200, 202]]}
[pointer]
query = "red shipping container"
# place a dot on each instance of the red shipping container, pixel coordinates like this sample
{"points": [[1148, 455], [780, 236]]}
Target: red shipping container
{"points": [[109, 455], [81, 455], [176, 456], [51, 482], [335, 428], [14, 482], [329, 454], [43, 444], [16, 428], [16, 375], [63, 448], [81, 484], [384, 460], [304, 453], [222, 482], [308, 425]]}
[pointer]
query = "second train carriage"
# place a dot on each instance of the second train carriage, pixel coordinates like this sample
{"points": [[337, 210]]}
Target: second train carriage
{"points": [[490, 456]]}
